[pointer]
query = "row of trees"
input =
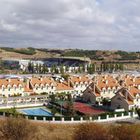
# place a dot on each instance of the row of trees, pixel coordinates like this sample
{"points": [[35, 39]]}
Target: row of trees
{"points": [[42, 69], [111, 66]]}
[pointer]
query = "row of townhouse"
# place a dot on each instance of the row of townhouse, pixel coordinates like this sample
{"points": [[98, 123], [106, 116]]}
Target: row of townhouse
{"points": [[37, 85], [74, 85], [123, 91], [10, 87], [102, 87], [128, 97]]}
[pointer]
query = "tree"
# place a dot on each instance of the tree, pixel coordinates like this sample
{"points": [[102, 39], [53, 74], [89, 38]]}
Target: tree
{"points": [[43, 69], [116, 66], [67, 68], [52, 98], [53, 67], [121, 66], [40, 69], [37, 68], [106, 102], [91, 68], [70, 106], [65, 76], [53, 111], [56, 71], [30, 67], [83, 68], [14, 112], [111, 67], [61, 69], [79, 69]]}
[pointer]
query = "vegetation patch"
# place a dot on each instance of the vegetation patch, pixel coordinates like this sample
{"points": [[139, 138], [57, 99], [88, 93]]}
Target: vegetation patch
{"points": [[28, 51]]}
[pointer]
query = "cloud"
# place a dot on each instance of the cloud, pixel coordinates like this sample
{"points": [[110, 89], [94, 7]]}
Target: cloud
{"points": [[84, 24]]}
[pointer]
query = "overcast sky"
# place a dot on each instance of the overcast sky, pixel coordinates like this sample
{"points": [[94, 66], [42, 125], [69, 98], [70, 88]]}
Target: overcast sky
{"points": [[83, 24]]}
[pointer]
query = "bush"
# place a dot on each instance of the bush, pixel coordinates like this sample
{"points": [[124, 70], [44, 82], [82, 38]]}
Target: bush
{"points": [[17, 129], [125, 132], [90, 131]]}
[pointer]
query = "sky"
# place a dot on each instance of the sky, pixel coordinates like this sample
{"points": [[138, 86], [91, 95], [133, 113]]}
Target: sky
{"points": [[82, 24]]}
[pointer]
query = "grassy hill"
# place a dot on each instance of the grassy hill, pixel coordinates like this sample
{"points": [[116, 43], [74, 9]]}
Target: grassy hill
{"points": [[25, 53], [97, 55]]}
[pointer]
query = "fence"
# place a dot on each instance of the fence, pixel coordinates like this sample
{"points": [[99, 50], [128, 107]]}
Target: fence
{"points": [[78, 119]]}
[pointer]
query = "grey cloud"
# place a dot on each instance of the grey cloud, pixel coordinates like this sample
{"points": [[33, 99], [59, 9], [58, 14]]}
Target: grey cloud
{"points": [[86, 24]]}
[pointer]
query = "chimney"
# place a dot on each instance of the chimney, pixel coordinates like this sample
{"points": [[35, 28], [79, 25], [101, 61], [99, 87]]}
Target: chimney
{"points": [[80, 77], [28, 83], [97, 82], [139, 87], [41, 79], [129, 88], [106, 81], [134, 79], [105, 77], [69, 82], [127, 76], [9, 80]]}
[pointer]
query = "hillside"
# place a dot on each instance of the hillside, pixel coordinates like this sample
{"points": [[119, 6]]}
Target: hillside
{"points": [[20, 129], [26, 53], [97, 55]]}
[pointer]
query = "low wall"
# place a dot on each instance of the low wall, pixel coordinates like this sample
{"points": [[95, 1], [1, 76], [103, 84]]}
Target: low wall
{"points": [[58, 119], [90, 119]]}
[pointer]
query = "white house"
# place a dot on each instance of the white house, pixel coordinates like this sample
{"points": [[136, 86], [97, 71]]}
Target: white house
{"points": [[11, 87], [80, 83], [126, 98], [102, 87]]}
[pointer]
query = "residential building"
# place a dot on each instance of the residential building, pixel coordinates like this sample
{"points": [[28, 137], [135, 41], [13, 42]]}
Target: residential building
{"points": [[11, 87], [80, 83], [102, 87], [126, 98]]}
